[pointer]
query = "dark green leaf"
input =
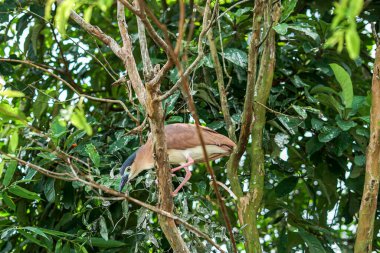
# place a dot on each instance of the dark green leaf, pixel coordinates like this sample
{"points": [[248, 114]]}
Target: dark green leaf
{"points": [[11, 168], [8, 201], [23, 193], [328, 133], [287, 8], [49, 189], [236, 56], [311, 241], [286, 186]]}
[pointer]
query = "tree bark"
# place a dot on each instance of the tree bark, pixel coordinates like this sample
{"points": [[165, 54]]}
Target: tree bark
{"points": [[364, 233], [258, 87], [156, 118]]}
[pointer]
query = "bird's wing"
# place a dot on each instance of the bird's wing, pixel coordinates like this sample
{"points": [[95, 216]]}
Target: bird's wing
{"points": [[184, 136]]}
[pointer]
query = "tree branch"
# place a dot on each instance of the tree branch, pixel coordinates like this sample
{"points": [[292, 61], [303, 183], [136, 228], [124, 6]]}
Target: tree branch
{"points": [[367, 212], [147, 63], [222, 92]]}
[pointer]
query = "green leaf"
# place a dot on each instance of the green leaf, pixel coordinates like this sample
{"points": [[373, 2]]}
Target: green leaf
{"points": [[354, 9], [58, 246], [287, 8], [12, 165], [330, 101], [291, 124], [323, 89], [281, 29], [353, 42], [311, 241], [93, 154], [23, 193], [58, 129], [87, 14], [216, 125], [286, 186], [63, 14], [174, 119], [345, 83], [31, 238], [236, 56], [35, 31], [103, 228], [101, 243], [317, 124], [13, 142], [48, 6], [300, 110], [328, 133], [13, 113], [345, 125], [79, 120], [40, 105], [170, 102], [8, 201], [359, 160], [12, 93], [37, 231], [49, 189]]}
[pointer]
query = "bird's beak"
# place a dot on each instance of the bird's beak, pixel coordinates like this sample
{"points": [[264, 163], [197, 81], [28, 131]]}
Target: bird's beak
{"points": [[124, 180]]}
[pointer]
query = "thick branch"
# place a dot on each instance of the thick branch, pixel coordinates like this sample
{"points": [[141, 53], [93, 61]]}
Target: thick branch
{"points": [[367, 213], [127, 55]]}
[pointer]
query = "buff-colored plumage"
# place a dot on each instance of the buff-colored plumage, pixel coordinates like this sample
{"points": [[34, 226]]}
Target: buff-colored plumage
{"points": [[183, 145]]}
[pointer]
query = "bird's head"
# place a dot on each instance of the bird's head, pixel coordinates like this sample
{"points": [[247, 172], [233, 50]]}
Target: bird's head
{"points": [[128, 171]]}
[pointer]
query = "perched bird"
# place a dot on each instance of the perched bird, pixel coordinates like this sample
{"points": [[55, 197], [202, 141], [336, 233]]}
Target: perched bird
{"points": [[183, 148]]}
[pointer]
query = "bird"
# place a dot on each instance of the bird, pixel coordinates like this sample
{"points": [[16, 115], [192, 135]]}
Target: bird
{"points": [[183, 148]]}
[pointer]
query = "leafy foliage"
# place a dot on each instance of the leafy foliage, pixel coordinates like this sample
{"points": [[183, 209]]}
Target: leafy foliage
{"points": [[315, 138]]}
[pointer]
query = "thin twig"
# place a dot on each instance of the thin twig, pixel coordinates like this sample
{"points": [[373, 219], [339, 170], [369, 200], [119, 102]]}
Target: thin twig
{"points": [[233, 6]]}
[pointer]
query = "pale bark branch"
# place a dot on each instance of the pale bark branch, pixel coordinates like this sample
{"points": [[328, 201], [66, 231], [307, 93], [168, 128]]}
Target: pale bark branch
{"points": [[367, 212], [127, 55], [181, 27], [147, 63]]}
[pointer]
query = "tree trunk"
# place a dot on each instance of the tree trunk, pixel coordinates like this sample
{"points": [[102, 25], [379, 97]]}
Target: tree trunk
{"points": [[260, 80], [364, 233]]}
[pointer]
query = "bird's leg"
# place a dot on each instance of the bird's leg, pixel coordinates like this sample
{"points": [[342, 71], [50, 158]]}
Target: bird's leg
{"points": [[190, 161]]}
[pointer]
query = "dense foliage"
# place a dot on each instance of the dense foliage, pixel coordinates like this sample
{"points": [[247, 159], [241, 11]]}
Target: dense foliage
{"points": [[315, 137]]}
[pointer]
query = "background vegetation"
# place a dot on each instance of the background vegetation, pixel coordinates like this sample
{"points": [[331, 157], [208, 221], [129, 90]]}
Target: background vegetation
{"points": [[68, 106]]}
